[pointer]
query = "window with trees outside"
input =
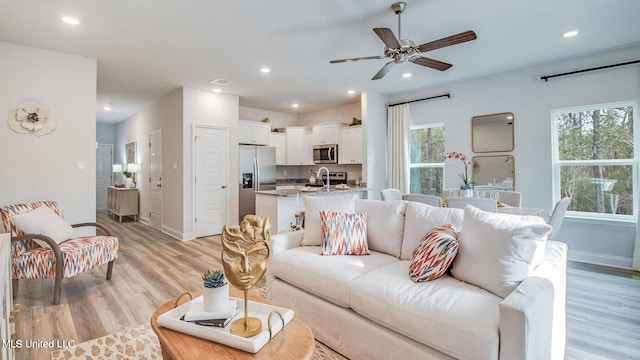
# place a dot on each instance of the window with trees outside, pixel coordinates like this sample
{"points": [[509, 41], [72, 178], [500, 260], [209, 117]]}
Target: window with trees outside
{"points": [[426, 159], [595, 159]]}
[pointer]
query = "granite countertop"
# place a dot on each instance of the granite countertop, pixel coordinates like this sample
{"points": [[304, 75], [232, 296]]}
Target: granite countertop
{"points": [[310, 191]]}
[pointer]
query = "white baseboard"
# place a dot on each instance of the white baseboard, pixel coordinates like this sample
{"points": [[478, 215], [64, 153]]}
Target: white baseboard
{"points": [[599, 259], [169, 231]]}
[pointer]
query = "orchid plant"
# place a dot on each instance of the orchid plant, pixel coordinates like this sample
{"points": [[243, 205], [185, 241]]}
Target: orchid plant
{"points": [[466, 162]]}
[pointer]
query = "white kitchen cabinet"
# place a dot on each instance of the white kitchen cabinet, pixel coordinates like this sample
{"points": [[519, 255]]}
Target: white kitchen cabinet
{"points": [[253, 132], [279, 141], [280, 209], [296, 153], [325, 134], [308, 149], [350, 145]]}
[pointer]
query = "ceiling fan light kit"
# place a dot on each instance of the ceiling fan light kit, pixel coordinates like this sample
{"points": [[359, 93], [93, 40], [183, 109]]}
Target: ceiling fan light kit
{"points": [[400, 50]]}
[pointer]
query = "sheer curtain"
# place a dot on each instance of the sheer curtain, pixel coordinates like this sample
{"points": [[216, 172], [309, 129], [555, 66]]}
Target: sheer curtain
{"points": [[398, 147]]}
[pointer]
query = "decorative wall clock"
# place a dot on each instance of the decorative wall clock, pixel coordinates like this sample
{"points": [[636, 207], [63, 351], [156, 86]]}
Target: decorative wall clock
{"points": [[30, 116]]}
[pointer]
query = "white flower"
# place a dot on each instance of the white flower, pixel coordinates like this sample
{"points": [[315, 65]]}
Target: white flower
{"points": [[31, 117]]}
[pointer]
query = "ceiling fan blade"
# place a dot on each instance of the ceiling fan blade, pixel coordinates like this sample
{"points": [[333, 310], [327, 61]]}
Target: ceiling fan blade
{"points": [[356, 59], [434, 64], [385, 69], [387, 37], [448, 41]]}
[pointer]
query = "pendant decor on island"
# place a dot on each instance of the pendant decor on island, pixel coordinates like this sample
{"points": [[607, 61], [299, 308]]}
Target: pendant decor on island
{"points": [[245, 252], [31, 117]]}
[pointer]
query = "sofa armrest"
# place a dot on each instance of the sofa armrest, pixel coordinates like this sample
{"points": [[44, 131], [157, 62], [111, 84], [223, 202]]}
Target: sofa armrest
{"points": [[532, 317], [285, 241]]}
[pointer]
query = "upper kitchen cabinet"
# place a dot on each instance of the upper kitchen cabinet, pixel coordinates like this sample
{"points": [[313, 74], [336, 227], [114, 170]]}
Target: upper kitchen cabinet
{"points": [[325, 134], [279, 141], [254, 133], [296, 146], [350, 145]]}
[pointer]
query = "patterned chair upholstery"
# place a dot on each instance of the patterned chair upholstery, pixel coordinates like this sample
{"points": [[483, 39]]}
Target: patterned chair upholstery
{"points": [[64, 260]]}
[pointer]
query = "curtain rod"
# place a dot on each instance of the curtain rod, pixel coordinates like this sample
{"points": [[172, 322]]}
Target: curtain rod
{"points": [[547, 77], [448, 95]]}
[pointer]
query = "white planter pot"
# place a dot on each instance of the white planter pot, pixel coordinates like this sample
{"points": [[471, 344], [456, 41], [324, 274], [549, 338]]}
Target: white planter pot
{"points": [[466, 193], [215, 299], [128, 183]]}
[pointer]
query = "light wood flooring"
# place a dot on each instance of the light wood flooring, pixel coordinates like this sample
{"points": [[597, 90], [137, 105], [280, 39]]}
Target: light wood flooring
{"points": [[603, 305]]}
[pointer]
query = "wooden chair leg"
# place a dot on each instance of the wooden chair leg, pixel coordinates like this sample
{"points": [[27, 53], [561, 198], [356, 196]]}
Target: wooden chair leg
{"points": [[14, 284], [57, 288], [110, 269]]}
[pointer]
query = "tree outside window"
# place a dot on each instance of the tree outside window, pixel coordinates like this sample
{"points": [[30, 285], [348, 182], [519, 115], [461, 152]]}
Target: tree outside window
{"points": [[595, 161], [426, 159]]}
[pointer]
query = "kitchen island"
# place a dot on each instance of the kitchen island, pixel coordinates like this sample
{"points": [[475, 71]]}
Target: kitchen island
{"points": [[282, 205]]}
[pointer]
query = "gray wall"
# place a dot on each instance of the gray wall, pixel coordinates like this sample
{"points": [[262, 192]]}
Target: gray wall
{"points": [[105, 133], [531, 101]]}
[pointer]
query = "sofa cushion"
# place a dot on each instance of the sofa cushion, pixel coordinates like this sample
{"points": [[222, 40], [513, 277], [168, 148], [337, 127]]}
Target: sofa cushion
{"points": [[497, 251], [420, 219], [385, 224], [324, 276], [435, 253], [343, 233], [454, 317], [312, 207]]}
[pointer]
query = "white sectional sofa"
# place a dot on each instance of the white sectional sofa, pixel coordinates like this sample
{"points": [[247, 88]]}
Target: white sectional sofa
{"points": [[367, 307]]}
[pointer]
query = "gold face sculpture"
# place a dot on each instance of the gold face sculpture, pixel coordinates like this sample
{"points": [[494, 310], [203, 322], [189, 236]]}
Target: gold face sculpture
{"points": [[245, 251]]}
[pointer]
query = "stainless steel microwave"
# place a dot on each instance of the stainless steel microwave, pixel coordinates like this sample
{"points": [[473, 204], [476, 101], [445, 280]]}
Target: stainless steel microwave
{"points": [[325, 154]]}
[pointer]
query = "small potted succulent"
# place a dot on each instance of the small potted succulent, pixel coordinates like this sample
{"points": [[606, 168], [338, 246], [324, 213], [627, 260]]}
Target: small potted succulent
{"points": [[215, 291]]}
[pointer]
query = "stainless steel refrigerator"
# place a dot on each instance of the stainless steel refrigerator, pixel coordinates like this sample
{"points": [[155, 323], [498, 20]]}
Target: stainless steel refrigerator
{"points": [[257, 171]]}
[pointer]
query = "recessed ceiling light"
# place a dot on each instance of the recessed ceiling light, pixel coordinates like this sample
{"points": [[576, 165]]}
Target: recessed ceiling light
{"points": [[265, 70], [295, 105], [70, 20], [216, 90], [571, 33], [406, 75], [351, 92], [107, 108]]}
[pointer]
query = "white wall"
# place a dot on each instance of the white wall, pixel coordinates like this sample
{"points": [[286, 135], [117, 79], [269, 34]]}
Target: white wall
{"points": [[531, 101], [341, 114], [165, 114], [46, 168], [278, 119], [207, 108], [374, 156]]}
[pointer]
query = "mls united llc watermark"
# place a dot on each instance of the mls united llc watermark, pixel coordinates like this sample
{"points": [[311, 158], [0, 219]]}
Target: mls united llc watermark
{"points": [[38, 344]]}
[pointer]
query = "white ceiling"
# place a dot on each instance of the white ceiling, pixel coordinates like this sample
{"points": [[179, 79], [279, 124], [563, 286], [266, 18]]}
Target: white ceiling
{"points": [[146, 49]]}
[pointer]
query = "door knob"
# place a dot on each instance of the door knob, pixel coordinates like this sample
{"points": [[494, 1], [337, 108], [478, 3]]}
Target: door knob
{"points": [[224, 186]]}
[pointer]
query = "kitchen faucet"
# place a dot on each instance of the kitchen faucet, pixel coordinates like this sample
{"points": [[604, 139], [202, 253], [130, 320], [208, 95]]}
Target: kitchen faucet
{"points": [[319, 177]]}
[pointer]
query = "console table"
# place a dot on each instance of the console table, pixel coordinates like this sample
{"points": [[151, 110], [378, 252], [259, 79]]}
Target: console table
{"points": [[123, 202]]}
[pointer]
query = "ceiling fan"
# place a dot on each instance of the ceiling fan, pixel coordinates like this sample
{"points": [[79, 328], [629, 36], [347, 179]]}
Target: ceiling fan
{"points": [[400, 50]]}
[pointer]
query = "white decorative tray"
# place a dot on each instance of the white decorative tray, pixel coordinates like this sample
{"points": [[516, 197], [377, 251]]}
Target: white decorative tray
{"points": [[171, 320]]}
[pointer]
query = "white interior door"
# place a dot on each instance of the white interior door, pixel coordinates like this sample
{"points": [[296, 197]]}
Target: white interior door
{"points": [[155, 179], [211, 152], [104, 160]]}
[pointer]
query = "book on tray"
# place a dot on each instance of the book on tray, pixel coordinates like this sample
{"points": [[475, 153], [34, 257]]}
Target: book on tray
{"points": [[197, 315]]}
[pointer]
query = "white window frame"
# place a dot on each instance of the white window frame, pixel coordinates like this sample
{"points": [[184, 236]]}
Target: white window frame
{"points": [[557, 163], [426, 165]]}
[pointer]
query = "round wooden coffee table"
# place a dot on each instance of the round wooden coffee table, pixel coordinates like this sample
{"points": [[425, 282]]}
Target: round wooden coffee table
{"points": [[294, 342]]}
